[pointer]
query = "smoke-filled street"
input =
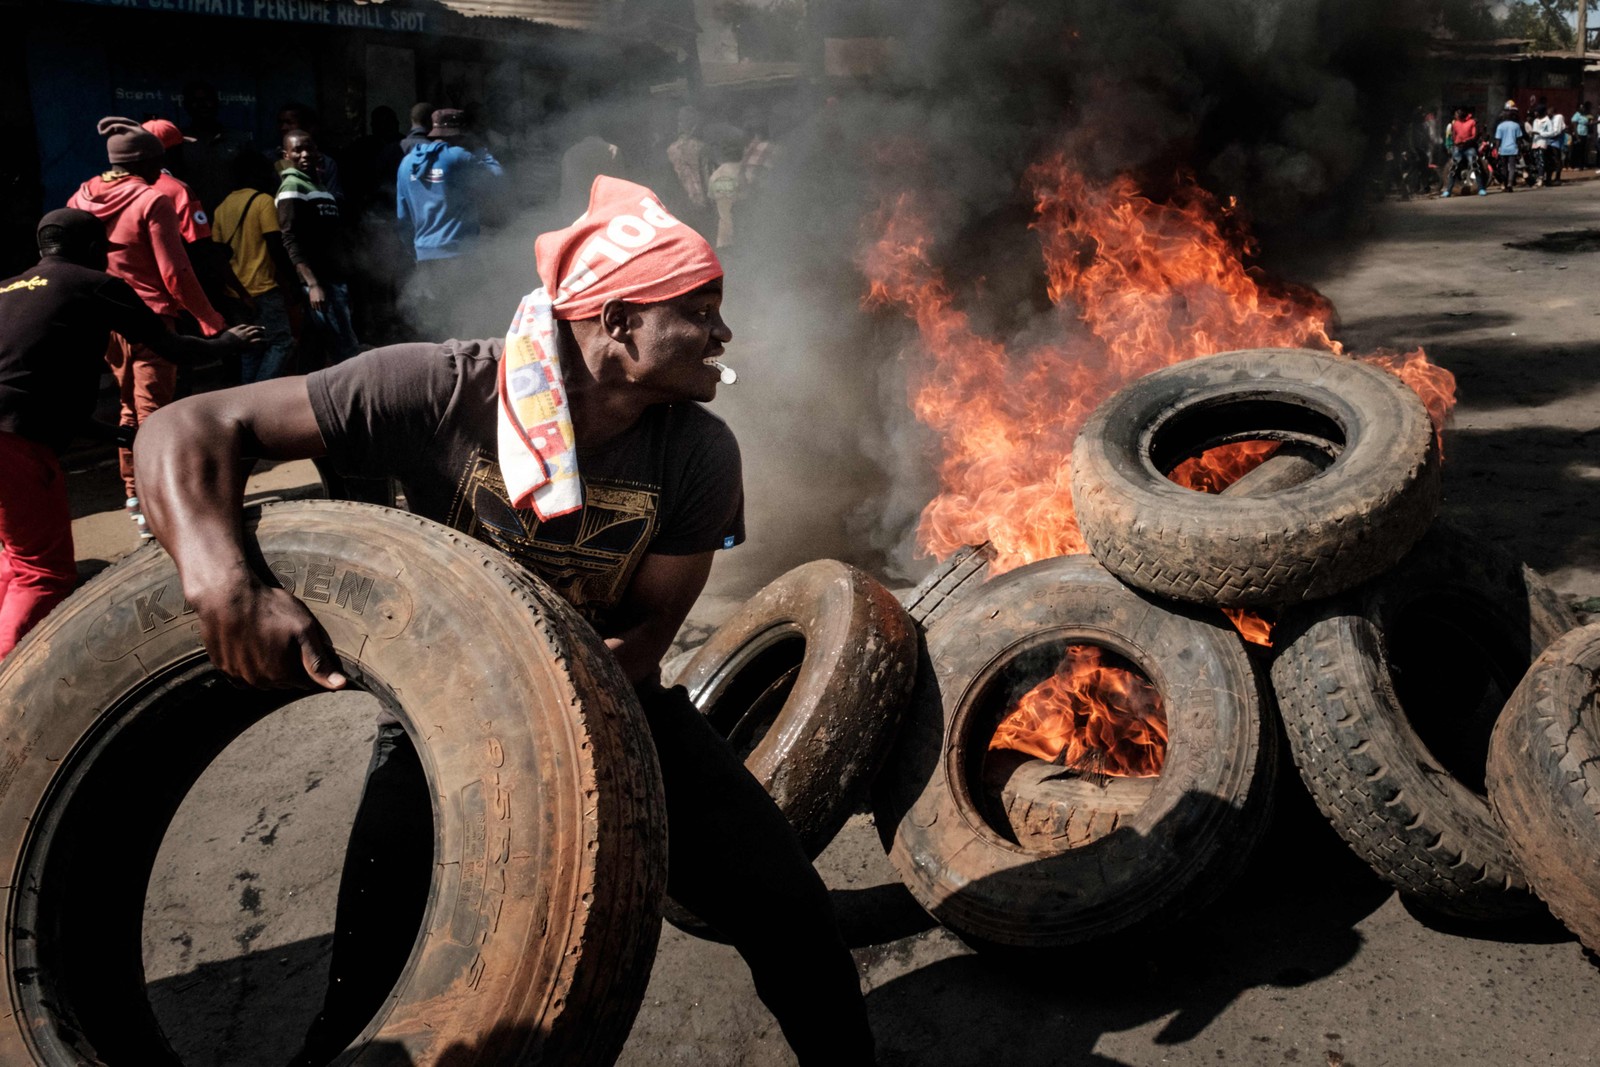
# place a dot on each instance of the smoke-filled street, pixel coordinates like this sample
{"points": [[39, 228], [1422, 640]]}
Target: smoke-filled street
{"points": [[833, 533]]}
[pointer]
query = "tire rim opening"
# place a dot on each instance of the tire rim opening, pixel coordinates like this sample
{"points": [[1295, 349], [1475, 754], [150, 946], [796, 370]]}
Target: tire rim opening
{"points": [[80, 932], [1072, 738], [1454, 663], [1215, 469], [753, 689], [1209, 445]]}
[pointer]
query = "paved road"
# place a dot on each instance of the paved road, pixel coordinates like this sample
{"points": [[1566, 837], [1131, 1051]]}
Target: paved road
{"points": [[1309, 960]]}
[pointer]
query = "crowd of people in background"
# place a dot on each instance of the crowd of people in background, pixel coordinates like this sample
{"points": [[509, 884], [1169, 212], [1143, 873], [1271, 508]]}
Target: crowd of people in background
{"points": [[327, 250], [257, 261], [1530, 146]]}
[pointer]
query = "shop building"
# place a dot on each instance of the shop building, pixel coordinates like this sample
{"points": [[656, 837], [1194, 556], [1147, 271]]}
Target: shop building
{"points": [[515, 63]]}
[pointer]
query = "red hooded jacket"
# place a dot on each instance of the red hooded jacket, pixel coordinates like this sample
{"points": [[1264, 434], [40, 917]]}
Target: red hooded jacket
{"points": [[147, 246], [192, 217]]}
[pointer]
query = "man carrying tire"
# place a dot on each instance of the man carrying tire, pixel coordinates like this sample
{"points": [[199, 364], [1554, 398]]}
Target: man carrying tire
{"points": [[578, 449]]}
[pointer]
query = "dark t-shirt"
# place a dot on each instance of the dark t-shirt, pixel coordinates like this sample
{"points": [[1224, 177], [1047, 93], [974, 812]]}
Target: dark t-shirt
{"points": [[426, 414], [55, 320]]}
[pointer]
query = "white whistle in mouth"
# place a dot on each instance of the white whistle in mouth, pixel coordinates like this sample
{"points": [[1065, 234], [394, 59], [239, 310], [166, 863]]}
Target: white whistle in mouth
{"points": [[729, 375]]}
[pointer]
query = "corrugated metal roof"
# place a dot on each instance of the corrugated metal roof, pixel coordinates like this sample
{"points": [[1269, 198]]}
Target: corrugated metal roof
{"points": [[747, 75], [573, 14]]}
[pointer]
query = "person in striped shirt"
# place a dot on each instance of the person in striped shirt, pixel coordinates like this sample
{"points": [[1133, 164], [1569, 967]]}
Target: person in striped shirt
{"points": [[314, 236]]}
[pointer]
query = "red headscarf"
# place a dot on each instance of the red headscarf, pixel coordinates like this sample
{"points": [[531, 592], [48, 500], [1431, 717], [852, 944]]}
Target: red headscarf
{"points": [[625, 247]]}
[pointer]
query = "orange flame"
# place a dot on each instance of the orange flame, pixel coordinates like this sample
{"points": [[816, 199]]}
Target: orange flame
{"points": [[1252, 627], [1215, 469], [1089, 716], [1139, 285]]}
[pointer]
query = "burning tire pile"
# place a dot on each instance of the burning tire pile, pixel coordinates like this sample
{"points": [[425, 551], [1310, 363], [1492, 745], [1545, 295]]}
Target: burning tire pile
{"points": [[1091, 743]]}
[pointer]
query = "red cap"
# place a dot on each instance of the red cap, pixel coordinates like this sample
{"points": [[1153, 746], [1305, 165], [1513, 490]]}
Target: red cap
{"points": [[625, 247], [166, 132]]}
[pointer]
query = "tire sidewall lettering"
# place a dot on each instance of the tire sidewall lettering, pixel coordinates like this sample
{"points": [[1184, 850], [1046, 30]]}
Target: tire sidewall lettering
{"points": [[376, 605]]}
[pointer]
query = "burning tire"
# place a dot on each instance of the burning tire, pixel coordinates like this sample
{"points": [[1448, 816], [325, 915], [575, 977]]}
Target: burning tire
{"points": [[549, 842], [1544, 780], [808, 681], [1009, 850], [1373, 498], [1389, 695], [948, 582]]}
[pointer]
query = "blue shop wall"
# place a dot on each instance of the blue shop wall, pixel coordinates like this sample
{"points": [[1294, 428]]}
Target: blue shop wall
{"points": [[75, 81]]}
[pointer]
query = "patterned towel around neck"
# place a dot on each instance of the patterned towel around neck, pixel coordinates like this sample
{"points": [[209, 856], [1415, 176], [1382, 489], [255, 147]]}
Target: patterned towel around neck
{"points": [[538, 453]]}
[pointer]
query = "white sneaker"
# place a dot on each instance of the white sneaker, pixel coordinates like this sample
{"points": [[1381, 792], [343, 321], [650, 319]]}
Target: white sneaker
{"points": [[131, 505]]}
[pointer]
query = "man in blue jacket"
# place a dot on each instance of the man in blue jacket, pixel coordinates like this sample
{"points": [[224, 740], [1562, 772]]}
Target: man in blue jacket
{"points": [[439, 188]]}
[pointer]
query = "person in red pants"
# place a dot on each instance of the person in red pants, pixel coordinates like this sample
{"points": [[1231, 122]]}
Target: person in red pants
{"points": [[55, 319]]}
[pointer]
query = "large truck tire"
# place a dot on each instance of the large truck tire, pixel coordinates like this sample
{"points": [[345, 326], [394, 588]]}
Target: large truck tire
{"points": [[1389, 695], [1544, 780], [549, 839], [1374, 498], [1049, 859]]}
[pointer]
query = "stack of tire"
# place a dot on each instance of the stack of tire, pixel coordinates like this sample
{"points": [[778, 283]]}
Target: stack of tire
{"points": [[1398, 641]]}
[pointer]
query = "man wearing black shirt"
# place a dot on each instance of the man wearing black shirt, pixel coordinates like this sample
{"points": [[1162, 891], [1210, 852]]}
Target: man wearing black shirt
{"points": [[55, 321], [636, 299]]}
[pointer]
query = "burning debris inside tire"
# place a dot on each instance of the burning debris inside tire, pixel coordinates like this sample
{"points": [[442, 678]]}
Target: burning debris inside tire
{"points": [[1095, 715]]}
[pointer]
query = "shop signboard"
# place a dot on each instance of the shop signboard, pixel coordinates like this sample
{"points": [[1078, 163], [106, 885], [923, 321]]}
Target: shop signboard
{"points": [[339, 14]]}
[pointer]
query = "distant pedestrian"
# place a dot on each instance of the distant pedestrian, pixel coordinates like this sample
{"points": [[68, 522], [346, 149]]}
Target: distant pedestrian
{"points": [[56, 319], [758, 158], [1508, 136], [1426, 139], [295, 116], [1463, 153], [205, 158], [192, 217], [147, 252], [1556, 157], [372, 160], [727, 189], [247, 228], [1542, 133], [439, 191], [1582, 135], [581, 164], [315, 239], [216, 275], [421, 123], [691, 161]]}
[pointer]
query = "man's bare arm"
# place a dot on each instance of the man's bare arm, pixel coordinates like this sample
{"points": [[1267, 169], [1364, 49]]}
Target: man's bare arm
{"points": [[186, 351], [655, 604], [189, 464], [283, 268]]}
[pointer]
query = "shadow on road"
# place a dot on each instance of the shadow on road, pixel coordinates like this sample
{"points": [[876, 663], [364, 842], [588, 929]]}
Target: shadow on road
{"points": [[1287, 920], [1443, 321], [250, 1011], [1528, 489]]}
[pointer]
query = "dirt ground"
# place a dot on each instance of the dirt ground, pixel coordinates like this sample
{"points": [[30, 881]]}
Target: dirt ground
{"points": [[1308, 960]]}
